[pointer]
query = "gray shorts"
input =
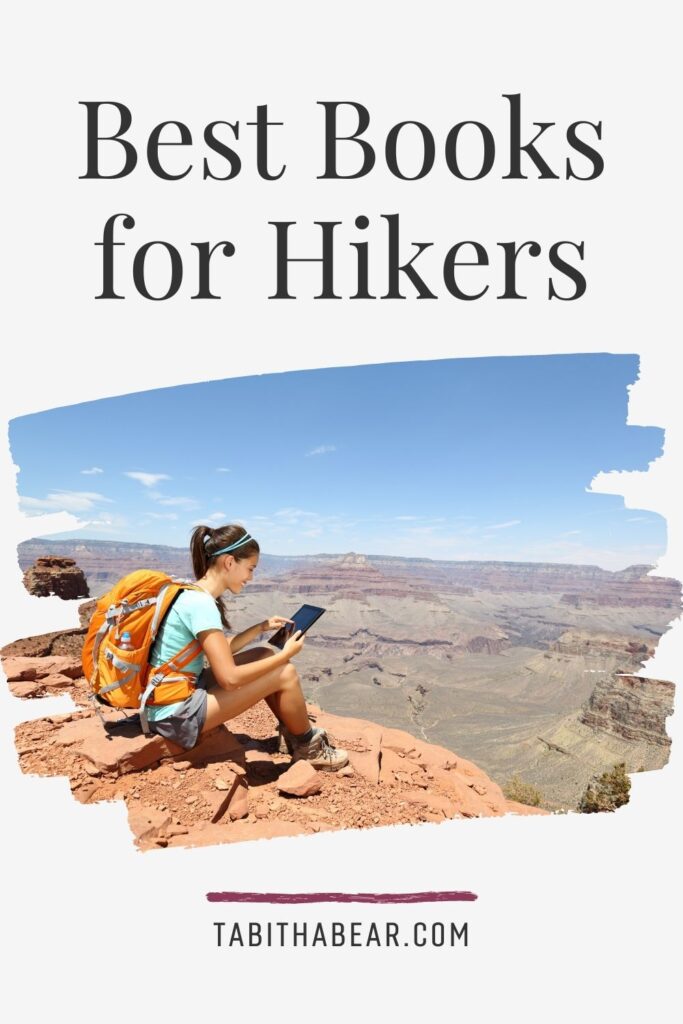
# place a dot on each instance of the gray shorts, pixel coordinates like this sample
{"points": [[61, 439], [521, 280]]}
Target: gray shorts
{"points": [[184, 728]]}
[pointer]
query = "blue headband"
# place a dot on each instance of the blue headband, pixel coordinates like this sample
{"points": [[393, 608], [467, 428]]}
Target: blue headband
{"points": [[231, 547]]}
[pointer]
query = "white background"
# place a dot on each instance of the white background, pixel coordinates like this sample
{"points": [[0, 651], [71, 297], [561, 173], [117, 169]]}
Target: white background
{"points": [[576, 915]]}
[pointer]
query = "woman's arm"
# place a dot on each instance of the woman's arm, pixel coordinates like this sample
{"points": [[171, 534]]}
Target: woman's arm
{"points": [[230, 676], [242, 639]]}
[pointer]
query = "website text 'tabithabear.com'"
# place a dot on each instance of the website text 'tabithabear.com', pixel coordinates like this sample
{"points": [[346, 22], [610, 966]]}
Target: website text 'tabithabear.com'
{"points": [[339, 934]]}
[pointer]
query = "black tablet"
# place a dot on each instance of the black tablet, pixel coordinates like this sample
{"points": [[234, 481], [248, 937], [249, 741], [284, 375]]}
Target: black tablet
{"points": [[303, 620]]}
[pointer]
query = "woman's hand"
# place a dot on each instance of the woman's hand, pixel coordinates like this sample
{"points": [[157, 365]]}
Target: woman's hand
{"points": [[294, 644], [274, 622]]}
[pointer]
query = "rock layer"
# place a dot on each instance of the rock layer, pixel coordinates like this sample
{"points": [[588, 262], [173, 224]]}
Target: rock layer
{"points": [[350, 576], [630, 650], [631, 708]]}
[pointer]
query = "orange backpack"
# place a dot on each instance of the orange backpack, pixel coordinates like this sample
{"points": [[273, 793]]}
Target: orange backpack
{"points": [[121, 676]]}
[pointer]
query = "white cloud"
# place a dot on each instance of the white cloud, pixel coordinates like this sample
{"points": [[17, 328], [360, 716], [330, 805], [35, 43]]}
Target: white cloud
{"points": [[186, 503], [108, 522], [293, 515], [92, 472], [102, 524], [405, 519], [322, 449], [147, 479], [216, 517], [222, 469], [63, 501], [577, 553], [161, 515], [504, 526], [54, 522]]}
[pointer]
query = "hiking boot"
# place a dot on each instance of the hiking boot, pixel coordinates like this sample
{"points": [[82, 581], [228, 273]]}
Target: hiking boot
{"points": [[319, 752], [286, 741]]}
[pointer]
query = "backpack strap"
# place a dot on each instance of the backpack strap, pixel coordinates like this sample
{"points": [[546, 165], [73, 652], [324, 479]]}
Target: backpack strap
{"points": [[156, 621], [176, 664], [116, 612], [99, 636]]}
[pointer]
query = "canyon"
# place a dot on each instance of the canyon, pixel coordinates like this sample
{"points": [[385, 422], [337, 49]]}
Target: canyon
{"points": [[523, 668]]}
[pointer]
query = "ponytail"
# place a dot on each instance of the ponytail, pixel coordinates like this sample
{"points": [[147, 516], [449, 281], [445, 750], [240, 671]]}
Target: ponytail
{"points": [[201, 537]]}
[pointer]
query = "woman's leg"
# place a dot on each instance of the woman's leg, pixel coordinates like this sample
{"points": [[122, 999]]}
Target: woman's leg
{"points": [[282, 684], [282, 690], [257, 654]]}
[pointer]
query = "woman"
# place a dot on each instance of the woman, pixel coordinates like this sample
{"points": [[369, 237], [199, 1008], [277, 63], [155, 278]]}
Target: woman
{"points": [[225, 559]]}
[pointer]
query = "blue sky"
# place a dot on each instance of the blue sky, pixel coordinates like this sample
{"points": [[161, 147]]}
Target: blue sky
{"points": [[468, 458]]}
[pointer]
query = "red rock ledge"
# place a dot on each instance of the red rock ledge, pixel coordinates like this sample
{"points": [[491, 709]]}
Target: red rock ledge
{"points": [[226, 789]]}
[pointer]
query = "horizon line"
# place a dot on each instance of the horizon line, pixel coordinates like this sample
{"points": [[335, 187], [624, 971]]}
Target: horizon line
{"points": [[341, 554]]}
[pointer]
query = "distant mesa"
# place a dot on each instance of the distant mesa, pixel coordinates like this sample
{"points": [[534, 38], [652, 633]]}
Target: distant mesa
{"points": [[56, 575], [353, 574], [352, 559], [630, 588]]}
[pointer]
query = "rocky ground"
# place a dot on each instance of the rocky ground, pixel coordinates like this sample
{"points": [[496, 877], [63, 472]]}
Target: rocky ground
{"points": [[235, 785]]}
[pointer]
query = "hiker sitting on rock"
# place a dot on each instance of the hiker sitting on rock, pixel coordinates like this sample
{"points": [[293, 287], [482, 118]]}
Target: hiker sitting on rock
{"points": [[225, 559]]}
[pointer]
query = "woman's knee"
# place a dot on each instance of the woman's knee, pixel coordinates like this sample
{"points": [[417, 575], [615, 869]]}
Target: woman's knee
{"points": [[289, 675]]}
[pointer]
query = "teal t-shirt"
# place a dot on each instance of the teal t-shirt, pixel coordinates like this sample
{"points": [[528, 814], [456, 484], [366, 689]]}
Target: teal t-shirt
{"points": [[192, 612]]}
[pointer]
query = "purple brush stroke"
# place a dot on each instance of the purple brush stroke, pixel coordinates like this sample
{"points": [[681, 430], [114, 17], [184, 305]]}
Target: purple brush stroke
{"points": [[341, 897]]}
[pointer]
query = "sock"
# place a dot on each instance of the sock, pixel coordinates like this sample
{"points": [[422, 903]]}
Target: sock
{"points": [[305, 737]]}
